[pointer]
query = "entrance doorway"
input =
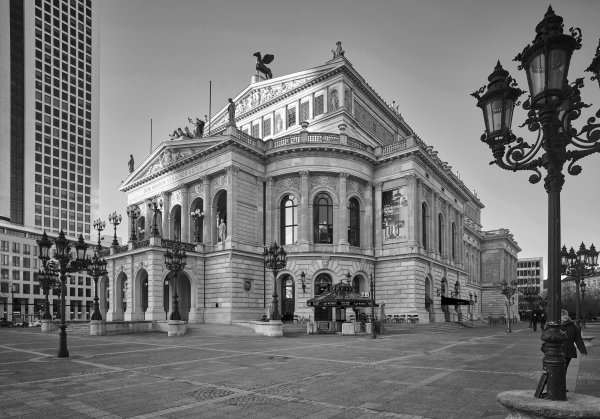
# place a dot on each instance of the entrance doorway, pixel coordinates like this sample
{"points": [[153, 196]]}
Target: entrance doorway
{"points": [[288, 300], [322, 286]]}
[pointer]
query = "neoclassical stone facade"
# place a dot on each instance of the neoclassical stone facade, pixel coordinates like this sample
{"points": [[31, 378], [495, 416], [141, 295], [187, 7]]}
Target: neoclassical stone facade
{"points": [[318, 162]]}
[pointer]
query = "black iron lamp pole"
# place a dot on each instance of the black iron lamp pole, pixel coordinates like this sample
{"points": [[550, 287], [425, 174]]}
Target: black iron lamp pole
{"points": [[508, 290], [373, 331], [48, 281], [578, 266], [115, 220], [133, 212], [175, 261], [552, 105], [156, 205], [275, 260], [197, 215], [63, 263], [583, 303], [97, 267]]}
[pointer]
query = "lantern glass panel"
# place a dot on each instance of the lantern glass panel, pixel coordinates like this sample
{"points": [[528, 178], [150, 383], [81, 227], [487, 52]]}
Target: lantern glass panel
{"points": [[494, 115], [510, 105], [557, 64], [537, 73]]}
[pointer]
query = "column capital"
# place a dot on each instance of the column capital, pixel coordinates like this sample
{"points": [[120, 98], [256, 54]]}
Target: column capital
{"points": [[304, 173], [205, 180], [343, 176], [232, 170], [270, 181], [379, 186]]}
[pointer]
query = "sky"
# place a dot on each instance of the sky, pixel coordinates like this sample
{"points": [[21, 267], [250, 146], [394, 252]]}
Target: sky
{"points": [[157, 58]]}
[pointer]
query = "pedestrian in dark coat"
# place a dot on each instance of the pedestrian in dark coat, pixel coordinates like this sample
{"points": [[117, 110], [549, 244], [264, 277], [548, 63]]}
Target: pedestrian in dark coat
{"points": [[573, 338], [542, 321], [534, 322]]}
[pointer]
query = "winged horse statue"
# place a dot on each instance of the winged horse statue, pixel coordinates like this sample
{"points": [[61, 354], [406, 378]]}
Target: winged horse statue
{"points": [[261, 64]]}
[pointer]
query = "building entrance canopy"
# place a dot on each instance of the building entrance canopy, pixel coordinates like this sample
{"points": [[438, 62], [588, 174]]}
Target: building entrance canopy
{"points": [[342, 295], [447, 301]]}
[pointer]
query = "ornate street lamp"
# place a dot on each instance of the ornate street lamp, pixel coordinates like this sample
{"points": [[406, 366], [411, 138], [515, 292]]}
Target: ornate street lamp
{"points": [[133, 212], [97, 267], [373, 331], [303, 279], [155, 204], [175, 261], [197, 215], [275, 260], [115, 220], [508, 290], [552, 105], [578, 266], [62, 263]]}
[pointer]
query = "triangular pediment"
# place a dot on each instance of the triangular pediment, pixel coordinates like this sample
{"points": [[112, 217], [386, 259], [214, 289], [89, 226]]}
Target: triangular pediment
{"points": [[262, 94], [166, 155]]}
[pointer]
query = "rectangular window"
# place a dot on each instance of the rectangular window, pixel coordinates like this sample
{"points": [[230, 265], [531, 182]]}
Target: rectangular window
{"points": [[256, 130], [291, 116], [318, 105], [266, 127], [304, 111], [16, 248], [4, 246], [16, 261]]}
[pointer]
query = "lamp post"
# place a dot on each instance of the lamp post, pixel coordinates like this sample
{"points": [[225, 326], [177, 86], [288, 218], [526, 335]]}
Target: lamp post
{"points": [[62, 263], [13, 289], [473, 302], [175, 261], [133, 212], [155, 204], [552, 106], [275, 260], [583, 303], [373, 331], [197, 215], [508, 290], [578, 266], [115, 220], [97, 266]]}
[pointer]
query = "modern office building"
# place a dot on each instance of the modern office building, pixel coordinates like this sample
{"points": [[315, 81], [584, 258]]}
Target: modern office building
{"points": [[318, 162], [530, 283], [48, 135]]}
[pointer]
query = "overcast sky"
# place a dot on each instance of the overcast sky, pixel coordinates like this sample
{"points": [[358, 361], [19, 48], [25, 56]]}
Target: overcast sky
{"points": [[158, 56]]}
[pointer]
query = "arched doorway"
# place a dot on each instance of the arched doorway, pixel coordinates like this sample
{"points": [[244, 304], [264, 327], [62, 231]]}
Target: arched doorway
{"points": [[120, 296], [140, 302], [429, 300], [196, 225], [322, 286], [184, 294], [103, 296], [175, 226], [288, 297]]}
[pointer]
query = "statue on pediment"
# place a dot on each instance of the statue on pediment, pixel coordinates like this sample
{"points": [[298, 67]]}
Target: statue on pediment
{"points": [[261, 64], [338, 51], [231, 112], [198, 127], [130, 163]]}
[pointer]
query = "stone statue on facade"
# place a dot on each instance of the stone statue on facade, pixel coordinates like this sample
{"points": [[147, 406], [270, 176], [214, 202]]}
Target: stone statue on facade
{"points": [[130, 163], [198, 127], [231, 112], [338, 51], [261, 64], [222, 231]]}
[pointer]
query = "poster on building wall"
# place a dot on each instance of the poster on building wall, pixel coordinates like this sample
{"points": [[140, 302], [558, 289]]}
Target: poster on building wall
{"points": [[395, 215]]}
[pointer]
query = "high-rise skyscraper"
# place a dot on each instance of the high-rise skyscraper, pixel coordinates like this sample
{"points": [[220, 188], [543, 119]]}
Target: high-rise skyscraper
{"points": [[49, 91]]}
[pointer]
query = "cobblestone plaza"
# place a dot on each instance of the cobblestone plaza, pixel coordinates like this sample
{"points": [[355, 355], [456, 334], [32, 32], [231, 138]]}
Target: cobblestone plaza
{"points": [[431, 371]]}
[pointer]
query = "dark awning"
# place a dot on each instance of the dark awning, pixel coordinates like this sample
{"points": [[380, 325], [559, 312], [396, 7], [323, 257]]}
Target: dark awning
{"points": [[448, 301], [342, 295]]}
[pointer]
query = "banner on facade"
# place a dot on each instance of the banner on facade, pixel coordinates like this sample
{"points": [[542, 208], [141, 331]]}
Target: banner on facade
{"points": [[395, 214]]}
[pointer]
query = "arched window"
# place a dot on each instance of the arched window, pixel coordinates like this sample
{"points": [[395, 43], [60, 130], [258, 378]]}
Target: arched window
{"points": [[453, 241], [288, 218], [440, 233], [354, 227], [323, 218], [356, 284], [322, 284], [424, 225]]}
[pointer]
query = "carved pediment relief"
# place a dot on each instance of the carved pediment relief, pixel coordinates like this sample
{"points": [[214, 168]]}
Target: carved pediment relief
{"points": [[168, 157]]}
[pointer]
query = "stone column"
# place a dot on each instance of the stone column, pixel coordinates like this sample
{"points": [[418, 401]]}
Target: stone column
{"points": [[366, 235], [434, 223], [232, 208], [166, 214], [208, 217], [343, 210], [412, 193], [305, 225], [378, 210], [269, 211], [156, 276], [418, 208], [260, 210], [149, 217], [185, 215]]}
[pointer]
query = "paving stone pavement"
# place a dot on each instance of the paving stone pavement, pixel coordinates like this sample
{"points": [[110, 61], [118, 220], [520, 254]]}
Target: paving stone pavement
{"points": [[216, 371]]}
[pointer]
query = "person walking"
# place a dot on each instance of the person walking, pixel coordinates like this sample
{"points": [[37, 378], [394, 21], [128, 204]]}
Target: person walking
{"points": [[534, 321], [573, 338], [542, 320]]}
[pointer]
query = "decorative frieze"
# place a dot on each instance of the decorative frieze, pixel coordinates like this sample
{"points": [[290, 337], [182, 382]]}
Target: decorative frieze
{"points": [[168, 157], [219, 182], [320, 181], [288, 183], [354, 187], [176, 197]]}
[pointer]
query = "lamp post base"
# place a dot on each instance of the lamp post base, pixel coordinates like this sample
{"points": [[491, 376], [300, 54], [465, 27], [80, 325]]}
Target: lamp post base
{"points": [[554, 361], [63, 352], [96, 314]]}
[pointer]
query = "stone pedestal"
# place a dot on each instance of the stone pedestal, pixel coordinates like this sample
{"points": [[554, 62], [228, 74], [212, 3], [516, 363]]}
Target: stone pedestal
{"points": [[176, 328], [270, 328], [523, 405], [49, 326], [97, 328]]}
